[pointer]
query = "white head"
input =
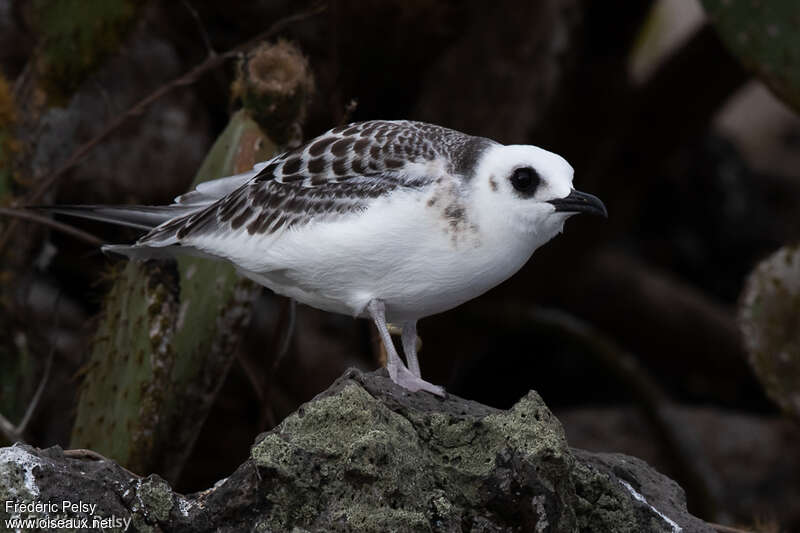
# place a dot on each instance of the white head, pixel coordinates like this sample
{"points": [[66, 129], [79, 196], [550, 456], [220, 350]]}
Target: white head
{"points": [[527, 192]]}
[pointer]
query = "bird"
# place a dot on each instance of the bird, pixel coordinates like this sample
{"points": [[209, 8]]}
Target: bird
{"points": [[389, 220]]}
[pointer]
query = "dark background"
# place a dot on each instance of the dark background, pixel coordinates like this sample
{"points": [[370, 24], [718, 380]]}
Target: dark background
{"points": [[626, 327]]}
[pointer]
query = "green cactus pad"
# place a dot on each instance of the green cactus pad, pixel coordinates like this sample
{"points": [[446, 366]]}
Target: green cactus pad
{"points": [[765, 36], [769, 317], [166, 339]]}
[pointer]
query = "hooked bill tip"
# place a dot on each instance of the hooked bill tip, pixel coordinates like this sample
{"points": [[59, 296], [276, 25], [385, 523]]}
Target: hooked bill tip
{"points": [[580, 202]]}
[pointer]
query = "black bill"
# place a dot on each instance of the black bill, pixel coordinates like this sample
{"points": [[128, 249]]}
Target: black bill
{"points": [[580, 202]]}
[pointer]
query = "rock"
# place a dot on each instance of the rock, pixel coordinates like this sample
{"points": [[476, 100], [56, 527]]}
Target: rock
{"points": [[367, 456], [736, 455]]}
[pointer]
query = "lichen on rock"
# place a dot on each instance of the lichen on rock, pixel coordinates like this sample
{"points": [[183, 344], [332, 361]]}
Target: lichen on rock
{"points": [[367, 456], [16, 474]]}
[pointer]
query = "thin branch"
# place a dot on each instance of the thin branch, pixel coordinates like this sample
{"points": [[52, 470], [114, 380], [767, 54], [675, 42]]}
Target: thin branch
{"points": [[200, 27], [49, 222], [8, 430], [34, 403], [251, 374], [728, 529], [188, 78], [15, 433], [91, 455], [284, 331], [286, 334]]}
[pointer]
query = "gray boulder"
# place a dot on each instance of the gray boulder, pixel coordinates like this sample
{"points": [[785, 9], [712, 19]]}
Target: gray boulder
{"points": [[367, 456]]}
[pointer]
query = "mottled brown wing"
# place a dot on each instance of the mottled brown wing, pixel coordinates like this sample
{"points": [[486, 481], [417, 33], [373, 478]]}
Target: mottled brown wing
{"points": [[336, 173]]}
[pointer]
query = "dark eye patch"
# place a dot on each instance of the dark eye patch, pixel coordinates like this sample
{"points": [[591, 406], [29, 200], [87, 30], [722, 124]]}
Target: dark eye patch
{"points": [[525, 180]]}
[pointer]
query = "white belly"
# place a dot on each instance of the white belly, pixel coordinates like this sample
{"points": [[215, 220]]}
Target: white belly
{"points": [[400, 250]]}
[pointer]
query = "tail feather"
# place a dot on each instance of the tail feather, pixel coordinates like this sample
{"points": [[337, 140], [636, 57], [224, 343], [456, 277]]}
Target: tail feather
{"points": [[140, 253], [131, 251], [147, 217], [162, 243], [144, 217]]}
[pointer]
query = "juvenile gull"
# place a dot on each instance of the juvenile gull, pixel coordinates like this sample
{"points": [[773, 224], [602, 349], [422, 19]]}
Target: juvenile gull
{"points": [[390, 220]]}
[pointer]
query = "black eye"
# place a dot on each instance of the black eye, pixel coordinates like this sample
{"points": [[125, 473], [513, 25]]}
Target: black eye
{"points": [[525, 180]]}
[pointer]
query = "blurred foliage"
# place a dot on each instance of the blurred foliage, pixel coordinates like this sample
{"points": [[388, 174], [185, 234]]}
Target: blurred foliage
{"points": [[765, 36], [769, 317], [8, 143], [76, 36], [166, 338]]}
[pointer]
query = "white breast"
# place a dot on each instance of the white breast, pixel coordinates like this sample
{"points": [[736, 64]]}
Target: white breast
{"points": [[420, 252]]}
